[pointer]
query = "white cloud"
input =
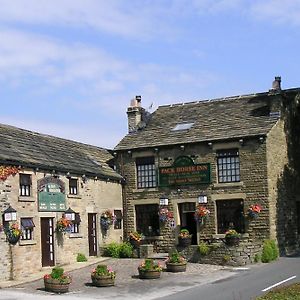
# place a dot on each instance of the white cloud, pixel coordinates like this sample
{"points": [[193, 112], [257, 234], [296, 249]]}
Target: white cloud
{"points": [[277, 11]]}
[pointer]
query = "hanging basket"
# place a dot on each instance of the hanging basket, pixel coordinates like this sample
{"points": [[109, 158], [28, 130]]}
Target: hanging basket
{"points": [[232, 240], [12, 239], [184, 241]]}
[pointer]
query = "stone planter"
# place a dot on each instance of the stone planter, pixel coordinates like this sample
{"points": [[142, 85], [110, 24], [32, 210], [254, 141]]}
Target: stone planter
{"points": [[102, 281], [176, 267], [52, 285], [232, 240], [149, 274], [184, 242]]}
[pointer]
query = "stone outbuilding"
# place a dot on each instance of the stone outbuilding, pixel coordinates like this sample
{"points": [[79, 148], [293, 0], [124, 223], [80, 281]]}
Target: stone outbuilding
{"points": [[220, 156], [44, 181]]}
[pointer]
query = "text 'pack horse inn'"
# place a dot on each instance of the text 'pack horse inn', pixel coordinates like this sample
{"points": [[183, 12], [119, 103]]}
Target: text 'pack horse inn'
{"points": [[212, 166], [55, 196]]}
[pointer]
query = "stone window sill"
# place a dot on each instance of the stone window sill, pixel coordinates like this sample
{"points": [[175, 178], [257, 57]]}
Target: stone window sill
{"points": [[228, 185], [75, 236], [222, 236], [145, 190], [74, 196], [27, 242], [26, 199]]}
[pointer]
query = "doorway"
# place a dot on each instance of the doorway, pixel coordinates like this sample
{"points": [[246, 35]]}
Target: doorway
{"points": [[92, 233], [47, 242], [187, 220]]}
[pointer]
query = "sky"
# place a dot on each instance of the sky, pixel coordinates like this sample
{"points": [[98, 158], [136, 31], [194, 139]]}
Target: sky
{"points": [[69, 68]]}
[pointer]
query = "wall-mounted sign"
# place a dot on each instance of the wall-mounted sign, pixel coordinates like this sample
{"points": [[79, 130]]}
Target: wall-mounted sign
{"points": [[51, 195], [184, 172]]}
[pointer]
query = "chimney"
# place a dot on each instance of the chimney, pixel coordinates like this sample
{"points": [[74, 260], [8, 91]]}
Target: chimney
{"points": [[134, 114], [276, 85]]}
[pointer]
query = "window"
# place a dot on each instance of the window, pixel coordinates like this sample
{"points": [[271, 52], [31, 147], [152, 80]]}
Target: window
{"points": [[147, 219], [27, 228], [228, 165], [75, 224], [182, 126], [118, 219], [73, 186], [25, 184], [230, 215], [146, 172]]}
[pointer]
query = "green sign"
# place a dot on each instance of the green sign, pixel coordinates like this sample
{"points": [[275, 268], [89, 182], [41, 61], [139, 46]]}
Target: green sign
{"points": [[184, 172], [51, 194]]}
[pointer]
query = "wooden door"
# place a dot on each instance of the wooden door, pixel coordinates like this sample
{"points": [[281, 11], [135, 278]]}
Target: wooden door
{"points": [[92, 232], [47, 242]]}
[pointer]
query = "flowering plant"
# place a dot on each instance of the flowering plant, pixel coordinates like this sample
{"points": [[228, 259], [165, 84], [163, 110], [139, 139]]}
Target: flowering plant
{"points": [[254, 210], [106, 219], [201, 213], [6, 171], [175, 258], [63, 225], [150, 264], [136, 236], [231, 233], [58, 276], [165, 215], [184, 234], [103, 270], [12, 231]]}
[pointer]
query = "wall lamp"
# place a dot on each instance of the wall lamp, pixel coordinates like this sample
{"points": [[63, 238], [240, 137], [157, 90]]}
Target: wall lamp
{"points": [[70, 214], [163, 200], [202, 198], [10, 214]]}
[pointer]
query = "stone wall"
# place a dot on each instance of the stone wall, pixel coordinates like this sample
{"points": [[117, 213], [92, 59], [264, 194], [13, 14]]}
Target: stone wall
{"points": [[253, 187], [95, 196]]}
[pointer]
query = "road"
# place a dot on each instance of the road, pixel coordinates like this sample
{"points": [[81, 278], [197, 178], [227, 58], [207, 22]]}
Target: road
{"points": [[197, 283], [246, 284]]}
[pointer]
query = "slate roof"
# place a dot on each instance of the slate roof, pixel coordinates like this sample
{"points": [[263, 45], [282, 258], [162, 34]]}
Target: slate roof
{"points": [[31, 149], [218, 119]]}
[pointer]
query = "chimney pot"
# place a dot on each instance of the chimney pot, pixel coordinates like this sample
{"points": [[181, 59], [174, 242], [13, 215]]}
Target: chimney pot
{"points": [[276, 85]]}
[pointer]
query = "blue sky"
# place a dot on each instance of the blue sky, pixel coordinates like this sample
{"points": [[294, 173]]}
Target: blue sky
{"points": [[69, 68]]}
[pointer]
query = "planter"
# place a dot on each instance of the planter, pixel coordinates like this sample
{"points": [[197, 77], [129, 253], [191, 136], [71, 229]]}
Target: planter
{"points": [[184, 242], [252, 215], [13, 239], [136, 244], [232, 240], [102, 281], [149, 274], [176, 267], [52, 285]]}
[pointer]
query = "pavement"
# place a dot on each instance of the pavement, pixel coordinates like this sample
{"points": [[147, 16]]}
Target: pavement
{"points": [[127, 283]]}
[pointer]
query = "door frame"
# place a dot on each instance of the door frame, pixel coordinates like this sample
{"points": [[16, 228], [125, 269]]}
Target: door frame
{"points": [[92, 234], [47, 242]]}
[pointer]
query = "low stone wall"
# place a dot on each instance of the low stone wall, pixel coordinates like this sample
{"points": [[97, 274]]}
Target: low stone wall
{"points": [[221, 254]]}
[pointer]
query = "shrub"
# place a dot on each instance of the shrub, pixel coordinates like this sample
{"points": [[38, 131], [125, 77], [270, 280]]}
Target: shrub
{"points": [[81, 257], [126, 250], [203, 248], [270, 251], [112, 250], [257, 258]]}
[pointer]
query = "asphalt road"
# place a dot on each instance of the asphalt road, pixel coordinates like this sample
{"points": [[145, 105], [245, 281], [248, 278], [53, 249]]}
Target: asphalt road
{"points": [[246, 284]]}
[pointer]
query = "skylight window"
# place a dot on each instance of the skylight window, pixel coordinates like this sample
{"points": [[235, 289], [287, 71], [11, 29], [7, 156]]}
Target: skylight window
{"points": [[182, 126]]}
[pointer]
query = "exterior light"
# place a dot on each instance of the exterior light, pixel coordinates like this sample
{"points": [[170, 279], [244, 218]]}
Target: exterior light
{"points": [[182, 147], [209, 144], [163, 200], [10, 214], [241, 141], [70, 214], [202, 198]]}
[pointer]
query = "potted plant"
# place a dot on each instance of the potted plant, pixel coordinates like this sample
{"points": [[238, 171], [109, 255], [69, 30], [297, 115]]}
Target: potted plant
{"points": [[149, 269], [63, 225], [201, 214], [57, 281], [13, 233], [232, 237], [103, 276], [106, 219], [254, 210], [184, 238], [135, 239], [176, 262]]}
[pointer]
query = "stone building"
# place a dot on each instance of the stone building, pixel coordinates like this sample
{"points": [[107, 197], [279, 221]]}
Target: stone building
{"points": [[223, 155], [42, 178]]}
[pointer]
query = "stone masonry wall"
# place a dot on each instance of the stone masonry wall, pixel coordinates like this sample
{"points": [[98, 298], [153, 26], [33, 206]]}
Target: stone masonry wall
{"points": [[253, 187], [95, 196]]}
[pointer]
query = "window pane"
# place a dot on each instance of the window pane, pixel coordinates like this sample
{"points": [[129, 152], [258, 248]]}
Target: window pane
{"points": [[228, 160]]}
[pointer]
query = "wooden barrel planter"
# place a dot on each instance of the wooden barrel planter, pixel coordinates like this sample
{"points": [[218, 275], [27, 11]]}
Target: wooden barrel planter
{"points": [[232, 240], [103, 281], [149, 274], [184, 242], [176, 267], [52, 285]]}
